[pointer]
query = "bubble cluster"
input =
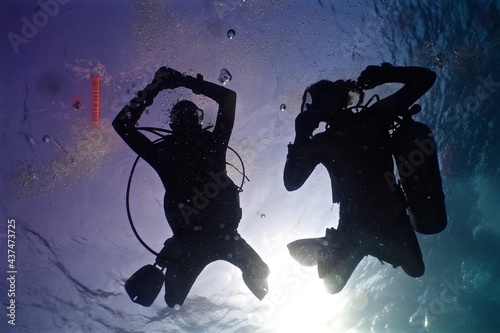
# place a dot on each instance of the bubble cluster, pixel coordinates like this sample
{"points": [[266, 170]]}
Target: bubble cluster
{"points": [[68, 166], [224, 76]]}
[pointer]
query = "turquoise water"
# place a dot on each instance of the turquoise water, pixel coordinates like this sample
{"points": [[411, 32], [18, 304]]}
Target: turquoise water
{"points": [[64, 181]]}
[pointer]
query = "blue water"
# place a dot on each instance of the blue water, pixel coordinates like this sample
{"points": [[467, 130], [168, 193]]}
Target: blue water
{"points": [[63, 181]]}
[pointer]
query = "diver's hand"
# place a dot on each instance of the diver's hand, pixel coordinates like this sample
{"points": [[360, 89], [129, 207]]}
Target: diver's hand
{"points": [[195, 84], [168, 78], [374, 76], [305, 124]]}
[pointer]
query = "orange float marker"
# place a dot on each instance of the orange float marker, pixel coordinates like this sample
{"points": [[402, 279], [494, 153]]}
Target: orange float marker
{"points": [[96, 84]]}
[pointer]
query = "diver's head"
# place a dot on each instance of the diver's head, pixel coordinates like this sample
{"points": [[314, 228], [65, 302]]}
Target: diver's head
{"points": [[185, 116], [329, 99]]}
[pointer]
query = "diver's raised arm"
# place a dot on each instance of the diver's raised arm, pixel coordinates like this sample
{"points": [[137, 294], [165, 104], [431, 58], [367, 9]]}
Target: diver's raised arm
{"points": [[226, 99], [302, 155], [417, 81], [126, 120], [300, 163]]}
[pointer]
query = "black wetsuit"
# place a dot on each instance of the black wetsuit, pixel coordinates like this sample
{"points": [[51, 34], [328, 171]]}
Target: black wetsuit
{"points": [[371, 214], [201, 202], [373, 218]]}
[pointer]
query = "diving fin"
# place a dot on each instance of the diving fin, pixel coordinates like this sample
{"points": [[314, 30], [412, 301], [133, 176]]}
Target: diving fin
{"points": [[308, 251], [337, 269], [144, 286], [256, 281], [336, 256]]}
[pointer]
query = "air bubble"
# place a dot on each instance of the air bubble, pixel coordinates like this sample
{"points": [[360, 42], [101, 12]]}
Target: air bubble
{"points": [[231, 33], [224, 76], [283, 107], [46, 138]]}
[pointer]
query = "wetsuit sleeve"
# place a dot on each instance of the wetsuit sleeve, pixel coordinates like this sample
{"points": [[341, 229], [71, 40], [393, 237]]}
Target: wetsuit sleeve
{"points": [[226, 99], [416, 82], [125, 122], [305, 152], [301, 161]]}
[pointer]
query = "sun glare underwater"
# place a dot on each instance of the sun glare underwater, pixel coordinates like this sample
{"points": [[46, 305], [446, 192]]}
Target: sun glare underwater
{"points": [[70, 66]]}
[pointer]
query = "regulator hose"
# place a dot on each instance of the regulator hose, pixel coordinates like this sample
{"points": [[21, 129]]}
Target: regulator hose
{"points": [[158, 132]]}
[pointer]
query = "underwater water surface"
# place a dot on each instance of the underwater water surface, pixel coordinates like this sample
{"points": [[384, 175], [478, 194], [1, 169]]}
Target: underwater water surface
{"points": [[63, 178]]}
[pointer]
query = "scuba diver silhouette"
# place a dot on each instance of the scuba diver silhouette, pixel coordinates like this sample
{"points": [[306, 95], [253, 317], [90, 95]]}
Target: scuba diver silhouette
{"points": [[357, 149], [201, 202]]}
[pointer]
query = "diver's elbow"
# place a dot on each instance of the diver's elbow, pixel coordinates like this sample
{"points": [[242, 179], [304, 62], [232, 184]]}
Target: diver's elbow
{"points": [[291, 185], [430, 77], [121, 126], [230, 99], [118, 125]]}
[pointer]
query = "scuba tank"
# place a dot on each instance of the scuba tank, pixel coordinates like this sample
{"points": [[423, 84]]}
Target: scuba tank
{"points": [[415, 152]]}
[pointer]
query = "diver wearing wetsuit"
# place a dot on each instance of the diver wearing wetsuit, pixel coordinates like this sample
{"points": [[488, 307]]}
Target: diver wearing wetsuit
{"points": [[201, 202], [356, 150]]}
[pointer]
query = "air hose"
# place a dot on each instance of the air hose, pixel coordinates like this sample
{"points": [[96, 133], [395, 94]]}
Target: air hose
{"points": [[160, 132]]}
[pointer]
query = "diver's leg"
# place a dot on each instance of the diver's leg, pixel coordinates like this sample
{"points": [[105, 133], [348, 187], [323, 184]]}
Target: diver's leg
{"points": [[399, 247], [182, 273], [178, 284], [337, 271], [338, 262], [412, 262], [307, 251], [255, 272]]}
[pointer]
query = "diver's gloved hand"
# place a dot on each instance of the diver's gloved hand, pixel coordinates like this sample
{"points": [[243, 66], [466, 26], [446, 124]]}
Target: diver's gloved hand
{"points": [[305, 124], [374, 76], [168, 78], [195, 84]]}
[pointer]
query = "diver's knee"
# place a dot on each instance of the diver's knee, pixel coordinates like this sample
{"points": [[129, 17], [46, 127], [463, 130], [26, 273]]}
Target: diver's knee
{"points": [[333, 288], [415, 271], [256, 281], [172, 302]]}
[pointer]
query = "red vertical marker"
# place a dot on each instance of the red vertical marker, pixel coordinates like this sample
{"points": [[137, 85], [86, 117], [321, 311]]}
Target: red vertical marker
{"points": [[96, 84]]}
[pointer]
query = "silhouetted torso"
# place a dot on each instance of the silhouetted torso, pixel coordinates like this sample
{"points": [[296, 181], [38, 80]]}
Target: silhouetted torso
{"points": [[192, 169]]}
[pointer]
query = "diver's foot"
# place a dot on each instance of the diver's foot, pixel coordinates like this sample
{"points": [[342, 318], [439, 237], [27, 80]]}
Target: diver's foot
{"points": [[416, 269], [144, 286], [337, 270], [310, 251], [257, 282], [338, 263], [172, 303], [170, 253], [334, 283]]}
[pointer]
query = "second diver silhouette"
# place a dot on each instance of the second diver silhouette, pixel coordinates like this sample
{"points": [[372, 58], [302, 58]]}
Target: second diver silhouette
{"points": [[201, 202], [357, 149]]}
